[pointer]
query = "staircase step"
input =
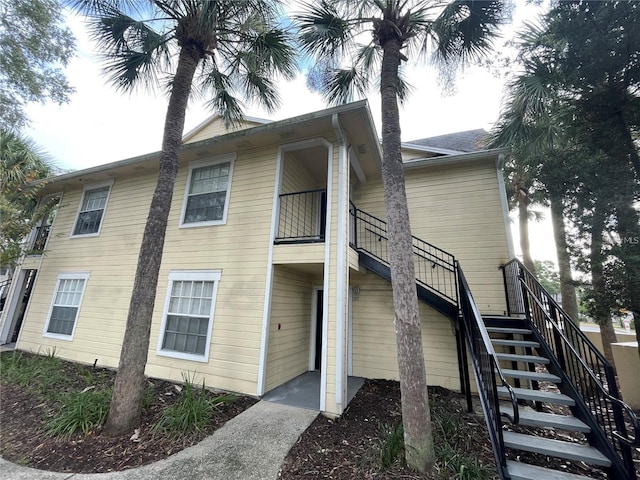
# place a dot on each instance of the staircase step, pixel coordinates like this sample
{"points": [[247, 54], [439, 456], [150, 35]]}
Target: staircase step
{"points": [[555, 448], [524, 471], [537, 396], [514, 343], [533, 376], [514, 357], [512, 331], [540, 419]]}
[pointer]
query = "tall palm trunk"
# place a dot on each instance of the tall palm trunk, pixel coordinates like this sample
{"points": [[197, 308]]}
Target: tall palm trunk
{"points": [[601, 313], [567, 285], [416, 416], [126, 403], [523, 224]]}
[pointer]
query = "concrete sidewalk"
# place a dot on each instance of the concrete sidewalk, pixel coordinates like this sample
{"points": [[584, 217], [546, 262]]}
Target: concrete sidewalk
{"points": [[251, 446]]}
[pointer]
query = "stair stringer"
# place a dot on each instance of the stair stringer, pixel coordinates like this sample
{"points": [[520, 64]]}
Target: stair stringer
{"points": [[447, 308]]}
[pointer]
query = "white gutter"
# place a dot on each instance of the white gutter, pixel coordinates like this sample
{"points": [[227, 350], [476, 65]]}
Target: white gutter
{"points": [[453, 159]]}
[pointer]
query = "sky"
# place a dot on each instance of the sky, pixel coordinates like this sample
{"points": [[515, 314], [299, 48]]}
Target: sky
{"points": [[100, 125]]}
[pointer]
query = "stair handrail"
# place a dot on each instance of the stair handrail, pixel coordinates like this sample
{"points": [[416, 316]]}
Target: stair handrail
{"points": [[487, 370], [422, 250], [552, 325], [630, 441]]}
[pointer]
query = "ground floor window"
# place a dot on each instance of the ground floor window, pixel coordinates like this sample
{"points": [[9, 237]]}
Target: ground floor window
{"points": [[66, 304], [188, 315]]}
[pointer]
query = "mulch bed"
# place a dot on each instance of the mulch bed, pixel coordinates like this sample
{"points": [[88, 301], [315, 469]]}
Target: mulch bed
{"points": [[24, 413]]}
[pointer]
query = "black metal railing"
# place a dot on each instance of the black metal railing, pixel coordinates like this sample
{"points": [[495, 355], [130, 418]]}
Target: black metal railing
{"points": [[585, 371], [302, 217], [435, 268], [487, 372], [40, 240]]}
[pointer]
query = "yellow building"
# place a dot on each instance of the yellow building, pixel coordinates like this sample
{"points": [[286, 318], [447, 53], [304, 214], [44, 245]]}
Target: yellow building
{"points": [[275, 256]]}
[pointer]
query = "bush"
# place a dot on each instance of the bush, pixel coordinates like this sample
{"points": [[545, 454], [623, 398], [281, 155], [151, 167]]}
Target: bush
{"points": [[391, 446], [80, 411], [192, 412]]}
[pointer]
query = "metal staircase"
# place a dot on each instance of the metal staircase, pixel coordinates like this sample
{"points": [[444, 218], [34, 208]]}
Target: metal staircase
{"points": [[534, 369]]}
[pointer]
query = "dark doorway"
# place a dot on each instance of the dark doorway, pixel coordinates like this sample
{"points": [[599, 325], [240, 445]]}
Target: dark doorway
{"points": [[24, 301], [319, 302]]}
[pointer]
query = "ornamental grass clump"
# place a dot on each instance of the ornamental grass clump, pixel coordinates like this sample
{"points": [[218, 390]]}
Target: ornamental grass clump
{"points": [[192, 412]]}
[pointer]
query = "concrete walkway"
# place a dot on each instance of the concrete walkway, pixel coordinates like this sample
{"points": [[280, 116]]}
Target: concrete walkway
{"points": [[251, 446]]}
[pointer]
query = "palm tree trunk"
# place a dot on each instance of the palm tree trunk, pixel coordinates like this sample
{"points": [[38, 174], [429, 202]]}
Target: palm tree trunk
{"points": [[567, 285], [602, 313], [416, 418], [126, 402], [523, 224]]}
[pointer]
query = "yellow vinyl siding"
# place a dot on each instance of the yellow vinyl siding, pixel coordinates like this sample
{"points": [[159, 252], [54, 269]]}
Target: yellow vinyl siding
{"points": [[110, 259], [374, 342], [239, 249], [288, 352], [456, 208]]}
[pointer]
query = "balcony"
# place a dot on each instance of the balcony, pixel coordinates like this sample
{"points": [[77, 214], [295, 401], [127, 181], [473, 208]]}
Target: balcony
{"points": [[302, 217]]}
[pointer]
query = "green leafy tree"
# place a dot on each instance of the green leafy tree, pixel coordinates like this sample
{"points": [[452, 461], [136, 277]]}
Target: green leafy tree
{"points": [[34, 47], [548, 276], [224, 50], [21, 162], [393, 31]]}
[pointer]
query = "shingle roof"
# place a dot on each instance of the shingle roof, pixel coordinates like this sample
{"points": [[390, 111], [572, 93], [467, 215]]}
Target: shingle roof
{"points": [[468, 141]]}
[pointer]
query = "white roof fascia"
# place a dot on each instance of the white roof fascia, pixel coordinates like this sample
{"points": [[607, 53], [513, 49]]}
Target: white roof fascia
{"points": [[426, 148], [453, 159]]}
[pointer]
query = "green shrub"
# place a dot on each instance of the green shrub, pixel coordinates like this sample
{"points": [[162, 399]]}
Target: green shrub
{"points": [[192, 412], [80, 412], [391, 448]]}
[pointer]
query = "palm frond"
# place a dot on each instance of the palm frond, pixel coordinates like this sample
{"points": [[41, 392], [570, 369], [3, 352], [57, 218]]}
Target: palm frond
{"points": [[223, 100], [323, 32], [465, 29], [345, 85]]}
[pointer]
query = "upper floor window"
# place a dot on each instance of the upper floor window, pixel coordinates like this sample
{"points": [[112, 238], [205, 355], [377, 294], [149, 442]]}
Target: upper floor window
{"points": [[91, 211], [208, 188], [66, 305]]}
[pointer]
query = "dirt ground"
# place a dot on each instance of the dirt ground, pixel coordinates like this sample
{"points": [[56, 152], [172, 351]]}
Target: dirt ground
{"points": [[345, 448]]}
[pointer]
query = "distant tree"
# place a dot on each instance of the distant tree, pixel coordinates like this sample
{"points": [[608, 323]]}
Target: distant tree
{"points": [[548, 276], [391, 32], [21, 162], [34, 47], [223, 50]]}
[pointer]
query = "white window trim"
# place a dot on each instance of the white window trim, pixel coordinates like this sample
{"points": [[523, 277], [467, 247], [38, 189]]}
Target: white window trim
{"points": [[230, 158], [66, 276], [92, 186], [195, 275]]}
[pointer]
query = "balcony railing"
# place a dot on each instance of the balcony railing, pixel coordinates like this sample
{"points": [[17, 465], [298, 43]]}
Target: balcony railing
{"points": [[302, 217], [40, 240]]}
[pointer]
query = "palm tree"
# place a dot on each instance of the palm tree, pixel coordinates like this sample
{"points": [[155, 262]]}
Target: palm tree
{"points": [[223, 50], [21, 162], [330, 31]]}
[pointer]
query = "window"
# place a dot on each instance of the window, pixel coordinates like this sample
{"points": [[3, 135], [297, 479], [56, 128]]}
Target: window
{"points": [[65, 305], [208, 188], [92, 206], [188, 315]]}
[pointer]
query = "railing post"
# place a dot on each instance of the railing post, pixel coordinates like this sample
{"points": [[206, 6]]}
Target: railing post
{"points": [[557, 338]]}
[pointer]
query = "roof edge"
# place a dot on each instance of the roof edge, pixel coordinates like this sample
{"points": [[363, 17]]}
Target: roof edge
{"points": [[258, 129], [453, 159]]}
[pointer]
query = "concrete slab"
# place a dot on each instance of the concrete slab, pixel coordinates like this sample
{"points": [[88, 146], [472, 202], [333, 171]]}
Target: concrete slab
{"points": [[251, 446]]}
